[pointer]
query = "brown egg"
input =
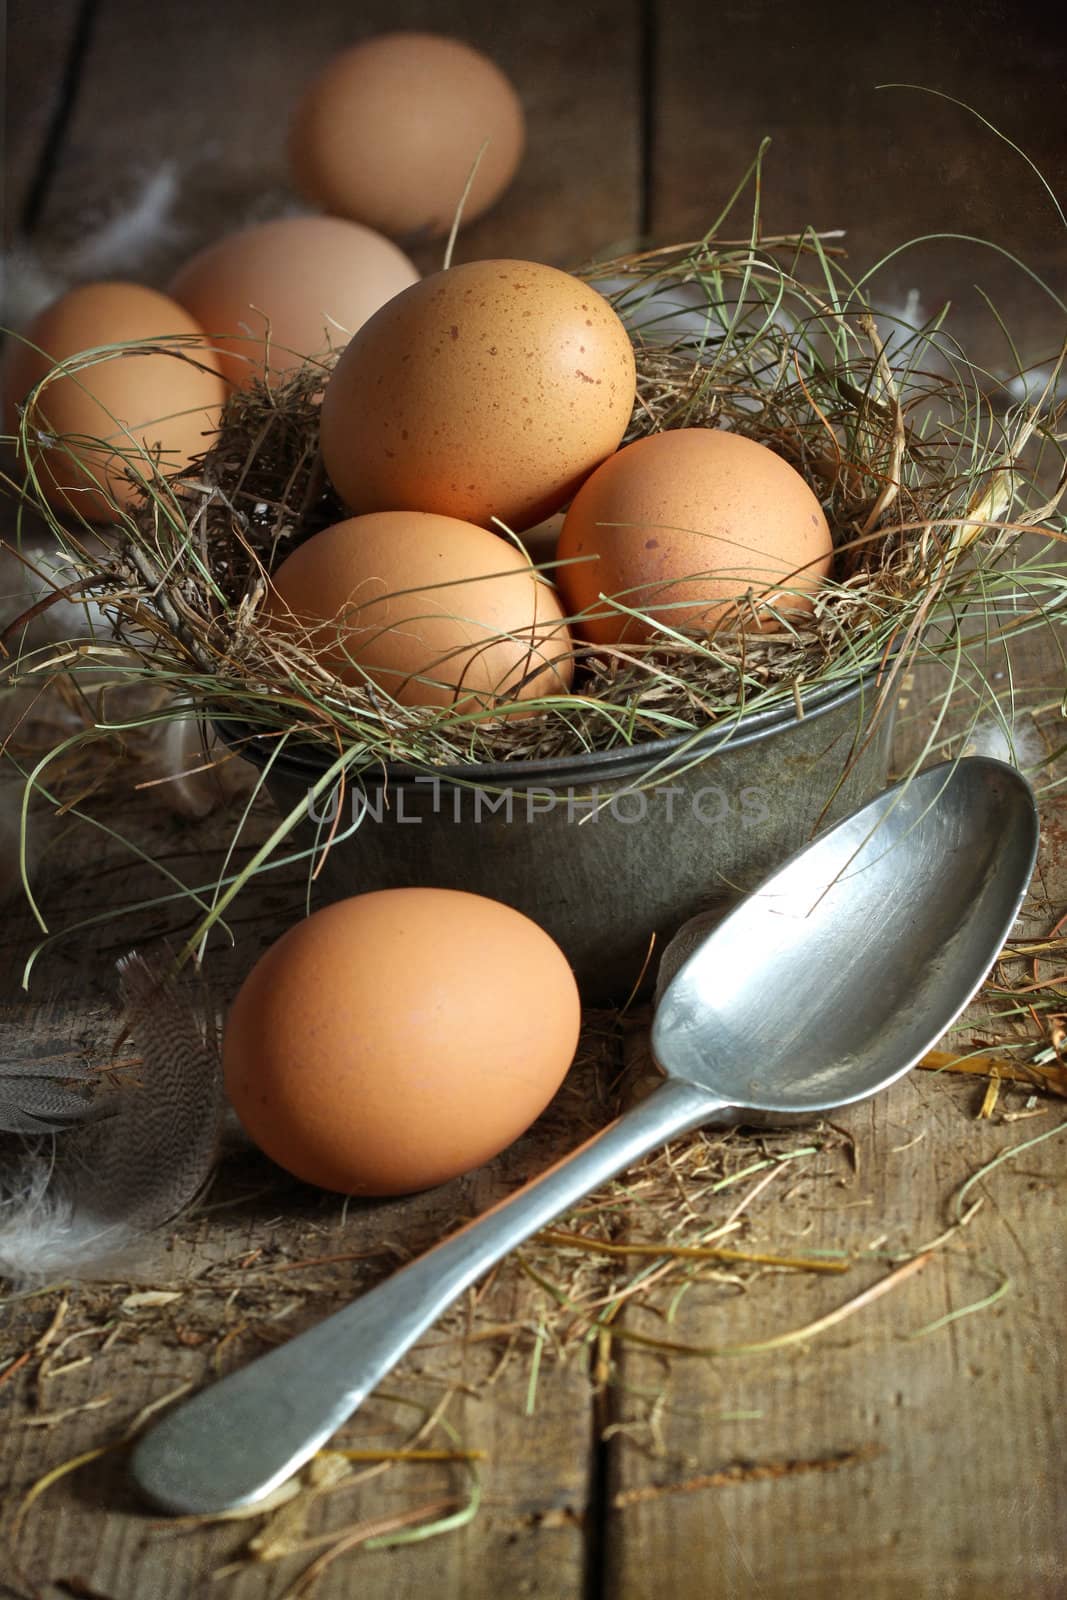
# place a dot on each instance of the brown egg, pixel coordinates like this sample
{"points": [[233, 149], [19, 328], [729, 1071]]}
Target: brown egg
{"points": [[394, 1040], [683, 524], [435, 611], [390, 131], [123, 411], [308, 282], [489, 390]]}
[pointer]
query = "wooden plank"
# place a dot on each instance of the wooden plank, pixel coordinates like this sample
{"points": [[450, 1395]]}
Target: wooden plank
{"points": [[888, 165], [231, 1270], [864, 1458], [883, 1454], [214, 88], [871, 1456], [931, 1505], [37, 43]]}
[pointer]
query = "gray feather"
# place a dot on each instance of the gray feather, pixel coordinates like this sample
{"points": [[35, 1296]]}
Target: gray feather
{"points": [[46, 1110], [38, 1092], [80, 1199]]}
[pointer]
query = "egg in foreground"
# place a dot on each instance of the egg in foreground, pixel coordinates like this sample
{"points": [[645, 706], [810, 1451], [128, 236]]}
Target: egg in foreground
{"points": [[150, 411], [490, 390], [396, 1039], [685, 524], [434, 610], [304, 283]]}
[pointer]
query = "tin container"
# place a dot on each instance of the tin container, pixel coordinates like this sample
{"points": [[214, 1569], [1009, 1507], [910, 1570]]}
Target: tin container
{"points": [[608, 851]]}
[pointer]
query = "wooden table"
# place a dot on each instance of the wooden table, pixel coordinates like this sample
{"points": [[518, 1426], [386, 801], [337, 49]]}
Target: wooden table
{"points": [[912, 1449]]}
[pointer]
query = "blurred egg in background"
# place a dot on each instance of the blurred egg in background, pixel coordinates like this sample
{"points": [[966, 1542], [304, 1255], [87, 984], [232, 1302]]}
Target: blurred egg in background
{"points": [[390, 131], [305, 284], [140, 412]]}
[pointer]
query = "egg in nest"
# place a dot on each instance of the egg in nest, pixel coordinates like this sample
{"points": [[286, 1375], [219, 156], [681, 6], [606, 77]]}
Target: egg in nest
{"points": [[691, 527], [491, 390], [434, 610]]}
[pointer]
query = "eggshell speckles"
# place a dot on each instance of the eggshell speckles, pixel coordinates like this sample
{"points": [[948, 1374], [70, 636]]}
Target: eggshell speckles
{"points": [[148, 407], [309, 281], [390, 131], [681, 525], [489, 390], [434, 610], [396, 1039]]}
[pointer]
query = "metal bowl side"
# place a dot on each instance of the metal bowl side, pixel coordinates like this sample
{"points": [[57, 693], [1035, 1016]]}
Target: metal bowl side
{"points": [[608, 850]]}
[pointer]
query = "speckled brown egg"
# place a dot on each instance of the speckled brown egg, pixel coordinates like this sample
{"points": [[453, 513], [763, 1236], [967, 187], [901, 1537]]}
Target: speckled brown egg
{"points": [[303, 283], [397, 1039], [435, 611], [490, 390], [390, 131], [683, 526], [142, 412]]}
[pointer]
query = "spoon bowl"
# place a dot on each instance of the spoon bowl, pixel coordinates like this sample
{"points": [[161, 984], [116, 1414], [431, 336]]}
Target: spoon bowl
{"points": [[821, 988], [836, 975]]}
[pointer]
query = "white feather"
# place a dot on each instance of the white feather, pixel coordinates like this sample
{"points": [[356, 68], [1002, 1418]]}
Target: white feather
{"points": [[127, 238], [45, 1234], [27, 285], [119, 245]]}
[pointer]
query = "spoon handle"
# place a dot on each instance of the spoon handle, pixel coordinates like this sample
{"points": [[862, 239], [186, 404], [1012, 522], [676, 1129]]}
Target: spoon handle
{"points": [[242, 1437]]}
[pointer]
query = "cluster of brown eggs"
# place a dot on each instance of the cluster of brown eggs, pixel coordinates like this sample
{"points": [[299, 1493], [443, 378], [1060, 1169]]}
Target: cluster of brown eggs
{"points": [[468, 409], [389, 1042], [383, 162], [478, 400], [464, 410]]}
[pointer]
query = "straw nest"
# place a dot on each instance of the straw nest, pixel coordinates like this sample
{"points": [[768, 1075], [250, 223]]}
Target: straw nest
{"points": [[926, 477]]}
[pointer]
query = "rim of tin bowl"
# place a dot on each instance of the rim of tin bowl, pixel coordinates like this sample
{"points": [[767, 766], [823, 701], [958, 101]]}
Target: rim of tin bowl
{"points": [[664, 755]]}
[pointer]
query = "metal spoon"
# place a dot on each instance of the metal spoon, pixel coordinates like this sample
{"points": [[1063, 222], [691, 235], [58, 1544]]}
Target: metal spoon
{"points": [[822, 987]]}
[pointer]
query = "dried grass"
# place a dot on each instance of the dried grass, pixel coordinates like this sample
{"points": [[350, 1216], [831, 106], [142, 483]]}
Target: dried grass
{"points": [[926, 483]]}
